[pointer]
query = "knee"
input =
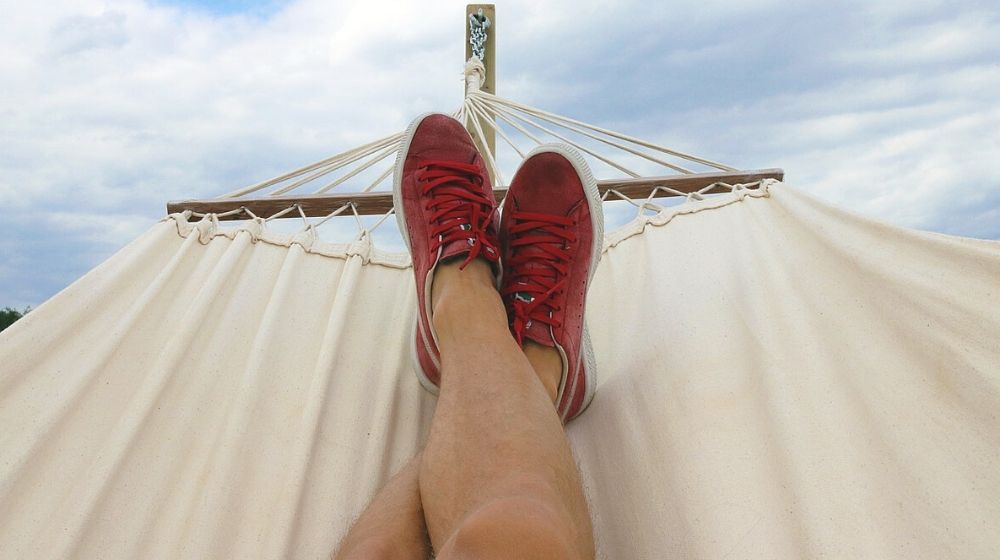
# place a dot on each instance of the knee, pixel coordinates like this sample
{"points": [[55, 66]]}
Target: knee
{"points": [[373, 549], [515, 528]]}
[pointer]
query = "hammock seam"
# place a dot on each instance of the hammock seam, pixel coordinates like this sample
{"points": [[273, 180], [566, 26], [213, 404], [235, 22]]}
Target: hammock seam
{"points": [[638, 225], [209, 229]]}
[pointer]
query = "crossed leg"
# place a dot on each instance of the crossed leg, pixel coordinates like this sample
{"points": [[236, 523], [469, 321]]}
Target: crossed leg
{"points": [[497, 478], [392, 528]]}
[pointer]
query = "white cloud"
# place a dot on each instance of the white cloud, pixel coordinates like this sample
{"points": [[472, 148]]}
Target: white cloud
{"points": [[966, 34], [76, 34]]}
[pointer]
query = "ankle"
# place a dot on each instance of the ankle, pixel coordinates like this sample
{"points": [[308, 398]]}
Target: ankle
{"points": [[450, 277], [464, 297], [547, 363]]}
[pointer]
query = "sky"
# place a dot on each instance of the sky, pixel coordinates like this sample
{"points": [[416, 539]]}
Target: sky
{"points": [[110, 108]]}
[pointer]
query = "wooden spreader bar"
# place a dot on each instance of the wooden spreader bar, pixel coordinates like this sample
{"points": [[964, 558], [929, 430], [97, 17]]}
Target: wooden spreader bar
{"points": [[319, 205]]}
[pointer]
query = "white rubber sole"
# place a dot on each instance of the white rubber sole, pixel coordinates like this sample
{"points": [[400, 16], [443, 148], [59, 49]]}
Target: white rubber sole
{"points": [[397, 203]]}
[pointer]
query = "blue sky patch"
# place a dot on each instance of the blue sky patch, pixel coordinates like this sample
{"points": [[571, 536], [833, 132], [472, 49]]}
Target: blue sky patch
{"points": [[259, 8]]}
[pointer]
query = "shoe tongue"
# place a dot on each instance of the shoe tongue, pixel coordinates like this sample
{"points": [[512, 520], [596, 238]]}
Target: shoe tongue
{"points": [[455, 248], [533, 330], [464, 245], [538, 332]]}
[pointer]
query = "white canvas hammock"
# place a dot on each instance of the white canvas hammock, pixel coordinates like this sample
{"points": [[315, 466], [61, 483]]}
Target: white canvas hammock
{"points": [[778, 379]]}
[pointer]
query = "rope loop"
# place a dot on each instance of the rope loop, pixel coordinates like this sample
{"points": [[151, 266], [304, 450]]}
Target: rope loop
{"points": [[475, 75]]}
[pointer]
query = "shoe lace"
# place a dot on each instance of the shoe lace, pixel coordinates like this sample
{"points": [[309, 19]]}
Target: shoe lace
{"points": [[458, 209], [541, 247]]}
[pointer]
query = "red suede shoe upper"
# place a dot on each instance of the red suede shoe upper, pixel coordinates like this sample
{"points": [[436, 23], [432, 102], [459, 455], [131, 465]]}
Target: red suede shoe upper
{"points": [[447, 201], [547, 238]]}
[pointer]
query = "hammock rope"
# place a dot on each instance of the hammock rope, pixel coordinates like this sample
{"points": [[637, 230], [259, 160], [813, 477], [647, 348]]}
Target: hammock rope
{"points": [[513, 122], [651, 170]]}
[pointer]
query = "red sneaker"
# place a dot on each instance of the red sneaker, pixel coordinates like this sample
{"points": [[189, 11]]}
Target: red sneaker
{"points": [[445, 208], [552, 230]]}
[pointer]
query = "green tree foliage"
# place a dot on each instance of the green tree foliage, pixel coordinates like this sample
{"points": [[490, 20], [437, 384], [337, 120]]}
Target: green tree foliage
{"points": [[8, 315]]}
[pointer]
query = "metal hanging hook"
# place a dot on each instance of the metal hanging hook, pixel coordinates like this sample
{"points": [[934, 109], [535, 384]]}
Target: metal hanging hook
{"points": [[478, 24]]}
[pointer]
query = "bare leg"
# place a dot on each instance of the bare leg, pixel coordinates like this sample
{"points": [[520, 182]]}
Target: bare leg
{"points": [[392, 528], [497, 478]]}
